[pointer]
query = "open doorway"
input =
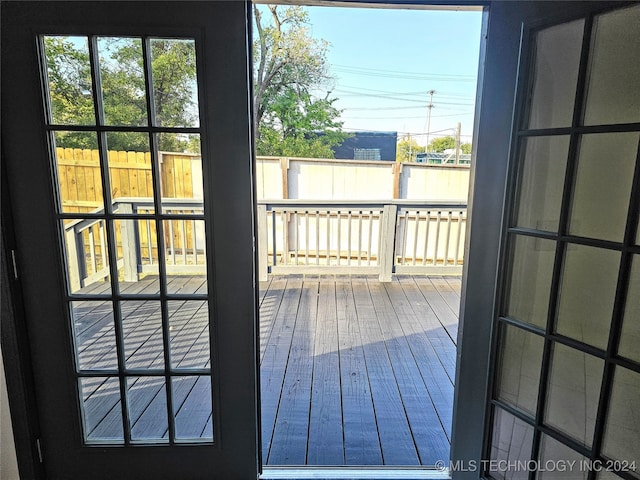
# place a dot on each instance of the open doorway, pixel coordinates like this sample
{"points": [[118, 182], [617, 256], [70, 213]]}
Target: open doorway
{"points": [[363, 153]]}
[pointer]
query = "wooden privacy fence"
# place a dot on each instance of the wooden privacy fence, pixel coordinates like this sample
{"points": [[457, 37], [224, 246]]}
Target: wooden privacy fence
{"points": [[80, 179], [401, 237]]}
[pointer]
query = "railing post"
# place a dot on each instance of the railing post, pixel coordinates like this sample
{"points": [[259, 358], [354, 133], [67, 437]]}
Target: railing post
{"points": [[129, 244], [387, 242], [263, 238], [75, 259]]}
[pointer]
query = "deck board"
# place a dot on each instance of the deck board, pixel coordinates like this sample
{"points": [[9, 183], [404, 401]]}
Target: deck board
{"points": [[289, 443], [353, 371], [275, 358], [396, 440], [361, 441], [325, 443]]}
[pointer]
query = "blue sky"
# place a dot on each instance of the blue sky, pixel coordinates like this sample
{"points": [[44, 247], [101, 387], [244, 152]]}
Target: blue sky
{"points": [[384, 62]]}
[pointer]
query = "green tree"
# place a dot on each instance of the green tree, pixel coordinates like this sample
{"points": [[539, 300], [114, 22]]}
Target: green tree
{"points": [[290, 67], [173, 67], [407, 149], [441, 144]]}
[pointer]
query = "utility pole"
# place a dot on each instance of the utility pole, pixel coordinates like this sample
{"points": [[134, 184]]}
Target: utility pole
{"points": [[458, 143], [429, 107]]}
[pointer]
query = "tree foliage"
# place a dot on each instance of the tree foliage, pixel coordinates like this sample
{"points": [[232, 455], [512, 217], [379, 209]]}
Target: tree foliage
{"points": [[290, 67], [122, 78], [441, 144], [407, 149]]}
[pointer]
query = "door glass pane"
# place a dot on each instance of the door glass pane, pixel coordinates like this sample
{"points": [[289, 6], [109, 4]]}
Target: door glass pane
{"points": [[630, 337], [520, 363], [189, 327], [69, 80], [142, 330], [122, 80], [603, 185], [137, 256], [86, 255], [556, 74], [95, 335], [78, 172], [541, 182], [147, 402], [192, 407], [623, 426], [176, 85], [574, 391], [185, 254], [102, 412], [587, 293], [130, 171], [181, 173], [553, 453], [511, 442], [530, 279], [612, 90]]}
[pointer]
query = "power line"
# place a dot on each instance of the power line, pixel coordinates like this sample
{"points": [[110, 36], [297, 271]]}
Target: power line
{"points": [[378, 72], [352, 93], [404, 117], [418, 93]]}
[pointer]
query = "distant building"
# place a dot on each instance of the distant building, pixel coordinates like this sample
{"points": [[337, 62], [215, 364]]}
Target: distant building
{"points": [[368, 146], [448, 157]]}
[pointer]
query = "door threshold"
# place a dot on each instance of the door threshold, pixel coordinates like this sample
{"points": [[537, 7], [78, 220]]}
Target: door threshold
{"points": [[361, 473]]}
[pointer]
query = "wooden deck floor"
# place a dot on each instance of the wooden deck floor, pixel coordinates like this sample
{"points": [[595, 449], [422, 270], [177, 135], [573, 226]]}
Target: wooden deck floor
{"points": [[357, 372], [353, 371]]}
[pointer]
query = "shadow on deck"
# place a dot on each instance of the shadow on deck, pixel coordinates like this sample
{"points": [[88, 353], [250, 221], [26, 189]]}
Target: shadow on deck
{"points": [[353, 371]]}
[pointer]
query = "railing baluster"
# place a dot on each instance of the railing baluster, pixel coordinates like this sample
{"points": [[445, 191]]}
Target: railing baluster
{"points": [[339, 250], [92, 250], [359, 237], [458, 236], [380, 225], [195, 242], [103, 243], [149, 242], [349, 238], [184, 241], [370, 235], [328, 237], [306, 237], [416, 224], [285, 237], [405, 226], [426, 238], [435, 253], [171, 243], [446, 246], [296, 242], [274, 229], [317, 237]]}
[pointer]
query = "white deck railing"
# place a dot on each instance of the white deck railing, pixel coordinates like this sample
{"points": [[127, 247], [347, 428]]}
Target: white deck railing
{"points": [[294, 236]]}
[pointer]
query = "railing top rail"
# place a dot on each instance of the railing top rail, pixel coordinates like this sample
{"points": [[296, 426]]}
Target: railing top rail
{"points": [[168, 202], [271, 204], [197, 204], [357, 163]]}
